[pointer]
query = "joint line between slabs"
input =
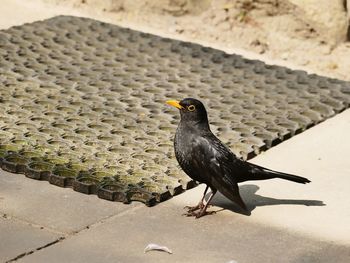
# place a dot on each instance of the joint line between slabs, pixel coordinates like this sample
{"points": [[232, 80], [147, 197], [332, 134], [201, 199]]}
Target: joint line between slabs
{"points": [[35, 250]]}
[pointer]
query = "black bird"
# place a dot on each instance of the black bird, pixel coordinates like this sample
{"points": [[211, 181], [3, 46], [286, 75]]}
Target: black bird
{"points": [[204, 158]]}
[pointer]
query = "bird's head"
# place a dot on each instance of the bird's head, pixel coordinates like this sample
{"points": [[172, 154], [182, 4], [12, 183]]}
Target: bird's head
{"points": [[191, 110]]}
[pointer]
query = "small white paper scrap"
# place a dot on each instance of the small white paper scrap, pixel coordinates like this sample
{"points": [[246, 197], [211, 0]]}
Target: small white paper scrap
{"points": [[157, 247]]}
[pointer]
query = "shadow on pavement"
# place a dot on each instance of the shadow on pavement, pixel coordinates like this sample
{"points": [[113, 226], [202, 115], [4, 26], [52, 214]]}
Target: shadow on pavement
{"points": [[253, 200]]}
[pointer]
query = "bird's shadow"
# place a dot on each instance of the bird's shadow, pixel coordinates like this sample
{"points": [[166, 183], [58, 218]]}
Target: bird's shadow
{"points": [[253, 200]]}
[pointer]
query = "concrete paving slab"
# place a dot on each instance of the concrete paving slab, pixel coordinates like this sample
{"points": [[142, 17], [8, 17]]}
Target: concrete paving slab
{"points": [[17, 238], [60, 209], [219, 238], [322, 155]]}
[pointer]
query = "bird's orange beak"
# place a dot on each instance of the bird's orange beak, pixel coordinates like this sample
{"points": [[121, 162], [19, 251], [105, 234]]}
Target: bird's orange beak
{"points": [[174, 103]]}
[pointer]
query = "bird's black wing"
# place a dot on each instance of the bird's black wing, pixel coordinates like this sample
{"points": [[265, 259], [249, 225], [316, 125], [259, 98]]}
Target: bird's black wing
{"points": [[215, 162]]}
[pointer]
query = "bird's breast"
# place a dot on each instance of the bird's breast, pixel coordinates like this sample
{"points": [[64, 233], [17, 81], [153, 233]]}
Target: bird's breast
{"points": [[184, 153], [182, 149]]}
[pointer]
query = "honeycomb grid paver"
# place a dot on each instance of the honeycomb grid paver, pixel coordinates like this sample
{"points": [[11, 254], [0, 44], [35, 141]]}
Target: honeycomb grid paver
{"points": [[82, 105]]}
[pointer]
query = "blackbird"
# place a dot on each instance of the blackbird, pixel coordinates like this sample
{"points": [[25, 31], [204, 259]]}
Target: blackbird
{"points": [[204, 158]]}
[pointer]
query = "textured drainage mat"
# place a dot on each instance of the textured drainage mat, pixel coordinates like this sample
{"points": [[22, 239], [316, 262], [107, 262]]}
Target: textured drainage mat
{"points": [[82, 105]]}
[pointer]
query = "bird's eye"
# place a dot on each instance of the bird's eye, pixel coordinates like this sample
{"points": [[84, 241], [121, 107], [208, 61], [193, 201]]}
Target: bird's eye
{"points": [[191, 108]]}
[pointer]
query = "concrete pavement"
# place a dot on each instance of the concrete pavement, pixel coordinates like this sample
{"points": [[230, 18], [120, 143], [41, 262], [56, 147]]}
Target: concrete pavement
{"points": [[288, 223], [18, 238]]}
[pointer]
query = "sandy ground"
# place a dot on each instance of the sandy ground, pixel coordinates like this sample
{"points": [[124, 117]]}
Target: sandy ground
{"points": [[277, 36]]}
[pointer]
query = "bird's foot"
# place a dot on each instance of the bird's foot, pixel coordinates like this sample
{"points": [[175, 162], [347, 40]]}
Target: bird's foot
{"points": [[199, 213], [204, 213], [191, 209]]}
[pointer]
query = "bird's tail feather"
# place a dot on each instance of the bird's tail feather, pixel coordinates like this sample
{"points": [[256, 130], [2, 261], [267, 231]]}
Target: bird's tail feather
{"points": [[290, 177]]}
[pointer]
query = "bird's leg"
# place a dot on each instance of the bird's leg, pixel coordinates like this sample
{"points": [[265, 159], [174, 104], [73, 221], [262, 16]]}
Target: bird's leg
{"points": [[204, 211], [200, 205]]}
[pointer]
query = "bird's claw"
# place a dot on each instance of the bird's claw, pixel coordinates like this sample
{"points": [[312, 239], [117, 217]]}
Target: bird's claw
{"points": [[198, 214], [194, 208]]}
